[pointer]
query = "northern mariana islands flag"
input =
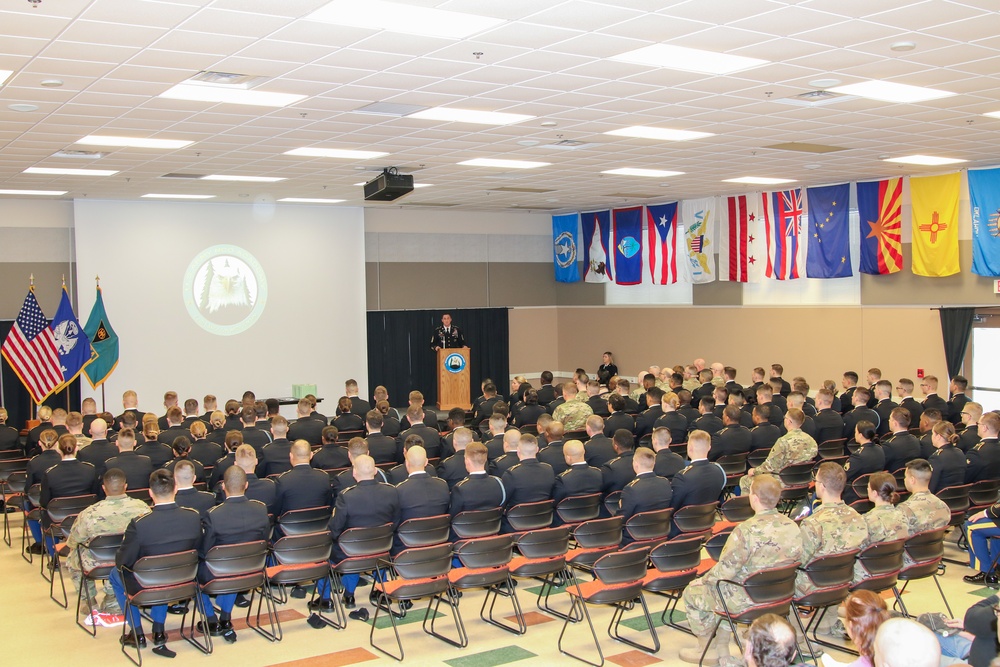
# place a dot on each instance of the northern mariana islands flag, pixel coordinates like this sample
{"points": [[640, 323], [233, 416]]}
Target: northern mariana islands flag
{"points": [[72, 342], [565, 242]]}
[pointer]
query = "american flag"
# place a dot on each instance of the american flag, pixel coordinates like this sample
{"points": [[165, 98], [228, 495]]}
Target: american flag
{"points": [[30, 349]]}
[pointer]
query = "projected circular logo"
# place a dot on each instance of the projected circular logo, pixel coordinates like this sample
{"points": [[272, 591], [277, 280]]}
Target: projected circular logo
{"points": [[225, 290]]}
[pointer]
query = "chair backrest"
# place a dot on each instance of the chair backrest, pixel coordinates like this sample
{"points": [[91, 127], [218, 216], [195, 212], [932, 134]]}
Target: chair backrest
{"points": [[579, 434], [529, 429], [60, 508], [832, 569], [544, 543], [613, 503], [985, 492], [758, 456], [425, 531], [680, 553], [9, 454], [103, 548], [495, 551], [10, 466], [308, 520], [695, 518], [166, 570], [882, 557], [925, 546], [772, 584], [598, 533], [305, 548], [737, 509], [140, 494], [734, 464], [956, 497], [531, 516], [477, 523], [579, 508], [651, 525], [358, 542], [35, 494], [232, 560], [862, 505], [15, 482], [860, 485], [622, 567], [832, 449], [715, 544], [345, 436], [423, 562], [679, 448], [796, 474]]}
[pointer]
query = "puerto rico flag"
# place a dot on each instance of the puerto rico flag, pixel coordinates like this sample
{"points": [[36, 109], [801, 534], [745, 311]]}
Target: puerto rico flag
{"points": [[596, 246], [626, 224], [742, 255], [664, 239], [783, 224]]}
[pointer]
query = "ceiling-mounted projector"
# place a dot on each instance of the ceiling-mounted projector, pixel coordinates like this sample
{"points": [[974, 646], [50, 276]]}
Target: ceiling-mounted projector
{"points": [[388, 185]]}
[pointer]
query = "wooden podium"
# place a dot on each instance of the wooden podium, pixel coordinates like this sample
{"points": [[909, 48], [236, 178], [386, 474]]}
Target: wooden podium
{"points": [[453, 378]]}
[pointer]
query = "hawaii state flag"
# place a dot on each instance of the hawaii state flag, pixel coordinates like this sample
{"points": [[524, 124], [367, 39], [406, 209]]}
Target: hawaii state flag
{"points": [[879, 207], [698, 219], [935, 224], [742, 250], [565, 241], [829, 232], [665, 237], [783, 225], [596, 245], [984, 193], [626, 224]]}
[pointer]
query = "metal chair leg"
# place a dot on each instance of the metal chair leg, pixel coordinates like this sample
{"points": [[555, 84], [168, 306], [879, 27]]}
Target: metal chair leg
{"points": [[452, 602], [580, 615], [617, 619], [264, 599], [493, 593]]}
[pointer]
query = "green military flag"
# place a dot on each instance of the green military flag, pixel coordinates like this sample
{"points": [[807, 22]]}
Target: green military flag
{"points": [[104, 341]]}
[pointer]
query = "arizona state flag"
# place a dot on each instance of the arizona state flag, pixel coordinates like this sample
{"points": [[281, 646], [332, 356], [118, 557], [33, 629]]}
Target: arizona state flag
{"points": [[935, 224], [879, 206]]}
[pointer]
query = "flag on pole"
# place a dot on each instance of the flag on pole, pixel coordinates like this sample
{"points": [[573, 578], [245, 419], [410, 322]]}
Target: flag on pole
{"points": [[104, 340], [880, 210], [627, 226], [596, 243], [698, 218], [667, 260], [783, 226], [741, 247], [565, 241], [30, 349], [829, 233], [72, 342], [984, 193], [935, 224]]}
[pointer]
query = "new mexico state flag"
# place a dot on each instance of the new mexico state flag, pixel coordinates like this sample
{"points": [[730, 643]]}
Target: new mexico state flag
{"points": [[935, 224]]}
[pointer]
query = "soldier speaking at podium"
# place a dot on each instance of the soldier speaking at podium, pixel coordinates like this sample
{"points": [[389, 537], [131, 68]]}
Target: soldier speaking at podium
{"points": [[447, 335]]}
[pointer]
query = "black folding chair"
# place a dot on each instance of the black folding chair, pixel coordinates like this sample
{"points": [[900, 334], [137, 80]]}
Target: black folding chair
{"points": [[675, 565], [486, 564], [300, 559], [101, 551], [238, 568], [577, 509]]}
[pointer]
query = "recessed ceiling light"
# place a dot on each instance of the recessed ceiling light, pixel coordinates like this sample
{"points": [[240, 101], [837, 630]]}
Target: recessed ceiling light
{"points": [[308, 200], [903, 46], [886, 91], [335, 152], [824, 83], [993, 114], [528, 142], [247, 179], [38, 193], [70, 172], [397, 17], [688, 60], [550, 123], [649, 173], [157, 195], [52, 83], [227, 95], [811, 166], [453, 115], [504, 164], [4, 73], [758, 180], [23, 108], [659, 133], [133, 142], [926, 160]]}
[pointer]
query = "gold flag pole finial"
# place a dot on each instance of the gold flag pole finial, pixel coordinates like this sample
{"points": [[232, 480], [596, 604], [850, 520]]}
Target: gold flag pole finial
{"points": [[98, 279], [64, 281], [31, 282]]}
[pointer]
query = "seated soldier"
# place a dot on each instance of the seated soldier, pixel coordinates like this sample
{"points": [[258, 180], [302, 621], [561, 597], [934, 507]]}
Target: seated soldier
{"points": [[478, 491], [923, 510], [529, 480], [791, 448], [701, 482], [733, 438], [868, 458], [668, 463], [764, 434], [578, 479], [899, 446], [646, 493], [948, 462]]}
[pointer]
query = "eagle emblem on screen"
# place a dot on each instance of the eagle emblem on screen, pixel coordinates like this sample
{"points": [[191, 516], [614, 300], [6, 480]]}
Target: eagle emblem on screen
{"points": [[225, 289]]}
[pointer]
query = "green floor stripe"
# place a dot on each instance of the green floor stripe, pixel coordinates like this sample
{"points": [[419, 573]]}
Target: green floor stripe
{"points": [[498, 656], [638, 623], [414, 615], [984, 592]]}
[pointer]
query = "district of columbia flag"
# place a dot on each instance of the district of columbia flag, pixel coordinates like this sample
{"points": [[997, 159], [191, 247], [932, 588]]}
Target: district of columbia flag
{"points": [[664, 246], [829, 232], [30, 349], [627, 226], [72, 341], [596, 246], [880, 210], [742, 249], [565, 243], [984, 194], [935, 224], [104, 341], [783, 225], [698, 220]]}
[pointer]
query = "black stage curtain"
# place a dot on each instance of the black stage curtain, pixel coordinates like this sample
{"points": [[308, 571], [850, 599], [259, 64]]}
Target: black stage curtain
{"points": [[16, 398], [956, 327], [401, 359]]}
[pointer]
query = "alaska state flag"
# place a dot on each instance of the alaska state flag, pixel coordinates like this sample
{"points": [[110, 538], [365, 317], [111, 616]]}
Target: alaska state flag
{"points": [[829, 232], [565, 241], [72, 342], [627, 226], [596, 247], [984, 193], [935, 224], [879, 207], [667, 261], [783, 225], [104, 340]]}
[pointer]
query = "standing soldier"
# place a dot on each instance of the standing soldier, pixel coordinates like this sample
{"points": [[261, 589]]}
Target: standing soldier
{"points": [[447, 335], [795, 446]]}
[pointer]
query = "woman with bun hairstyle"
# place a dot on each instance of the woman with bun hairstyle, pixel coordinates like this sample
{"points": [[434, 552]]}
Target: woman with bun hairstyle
{"points": [[948, 462], [866, 459]]}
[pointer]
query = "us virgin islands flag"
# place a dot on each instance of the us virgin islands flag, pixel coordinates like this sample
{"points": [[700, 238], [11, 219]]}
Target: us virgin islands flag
{"points": [[565, 241], [72, 342], [984, 193]]}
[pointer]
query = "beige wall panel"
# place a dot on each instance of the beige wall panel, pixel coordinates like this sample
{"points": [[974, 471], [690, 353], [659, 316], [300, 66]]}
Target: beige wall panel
{"points": [[578, 294], [521, 284], [900, 340], [371, 285], [717, 293], [904, 288], [534, 340], [415, 285], [48, 287]]}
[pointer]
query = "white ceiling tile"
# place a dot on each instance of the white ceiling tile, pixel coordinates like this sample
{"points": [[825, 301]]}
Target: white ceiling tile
{"points": [[526, 35], [586, 16], [201, 43], [102, 53], [654, 28], [241, 24], [924, 15], [139, 12], [98, 32]]}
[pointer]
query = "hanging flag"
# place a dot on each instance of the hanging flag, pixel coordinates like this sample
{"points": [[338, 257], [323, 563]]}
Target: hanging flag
{"points": [[698, 219], [741, 246], [879, 207], [72, 342], [783, 226], [597, 241], [829, 232], [30, 349], [565, 241], [627, 226], [984, 193], [667, 260], [935, 224], [104, 340]]}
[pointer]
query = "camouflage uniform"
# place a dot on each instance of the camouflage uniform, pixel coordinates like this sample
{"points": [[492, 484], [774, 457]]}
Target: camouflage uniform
{"points": [[573, 414], [108, 517], [832, 529], [691, 384], [923, 511], [767, 539], [793, 447], [82, 441], [885, 524], [718, 381]]}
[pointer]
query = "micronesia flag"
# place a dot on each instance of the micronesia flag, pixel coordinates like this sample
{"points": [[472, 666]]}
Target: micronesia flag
{"points": [[782, 224], [596, 247], [565, 241], [984, 194], [829, 232], [666, 262], [627, 226]]}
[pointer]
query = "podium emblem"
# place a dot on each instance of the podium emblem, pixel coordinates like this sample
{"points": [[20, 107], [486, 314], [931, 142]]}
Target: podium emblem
{"points": [[454, 363]]}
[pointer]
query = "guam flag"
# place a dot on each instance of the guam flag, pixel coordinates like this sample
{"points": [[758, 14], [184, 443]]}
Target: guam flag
{"points": [[565, 241], [596, 245], [627, 228], [829, 232], [984, 191], [666, 261], [879, 207], [783, 226]]}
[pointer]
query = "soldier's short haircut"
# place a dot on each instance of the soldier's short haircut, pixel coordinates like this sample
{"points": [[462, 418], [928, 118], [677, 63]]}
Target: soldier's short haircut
{"points": [[302, 407], [765, 390], [497, 421], [796, 399], [501, 408], [884, 386], [356, 447], [863, 393], [990, 421], [416, 397], [644, 458], [415, 414], [772, 641], [720, 394], [729, 372], [737, 399], [191, 406], [661, 436], [796, 416], [624, 439], [248, 415], [126, 438], [412, 440], [74, 419], [523, 437], [700, 438], [245, 454], [960, 382], [260, 409], [280, 425], [767, 488], [461, 438], [233, 440], [616, 402], [374, 419], [762, 411], [824, 396], [300, 451], [595, 423], [209, 401], [657, 394], [778, 368], [351, 385], [852, 376], [677, 379], [161, 483], [114, 481], [544, 420], [833, 476], [235, 480], [184, 471], [732, 413], [272, 406], [933, 415], [489, 389], [706, 403], [546, 377], [705, 375], [920, 469], [329, 434], [570, 388], [801, 386], [457, 416], [476, 452]]}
